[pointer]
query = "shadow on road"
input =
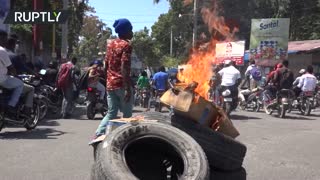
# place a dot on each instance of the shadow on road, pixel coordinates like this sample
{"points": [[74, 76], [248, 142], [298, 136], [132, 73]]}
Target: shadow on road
{"points": [[241, 117], [304, 118], [40, 133]]}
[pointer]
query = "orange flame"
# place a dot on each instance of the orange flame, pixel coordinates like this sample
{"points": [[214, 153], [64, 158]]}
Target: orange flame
{"points": [[199, 65]]}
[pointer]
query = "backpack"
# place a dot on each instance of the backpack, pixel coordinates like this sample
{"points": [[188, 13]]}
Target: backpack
{"points": [[64, 76], [256, 73], [83, 81], [286, 79]]}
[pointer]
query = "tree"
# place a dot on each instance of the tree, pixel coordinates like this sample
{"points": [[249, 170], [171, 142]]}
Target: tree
{"points": [[144, 47], [93, 36]]}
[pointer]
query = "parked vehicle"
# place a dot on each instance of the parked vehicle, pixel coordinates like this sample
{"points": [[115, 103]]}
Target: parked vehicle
{"points": [[29, 121], [251, 99], [94, 104], [280, 103]]}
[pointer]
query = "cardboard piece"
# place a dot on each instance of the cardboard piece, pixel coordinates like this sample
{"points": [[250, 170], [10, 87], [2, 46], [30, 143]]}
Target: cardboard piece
{"points": [[180, 100], [195, 107]]}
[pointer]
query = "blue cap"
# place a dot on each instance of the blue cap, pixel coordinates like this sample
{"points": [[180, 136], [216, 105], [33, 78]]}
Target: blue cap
{"points": [[122, 26]]}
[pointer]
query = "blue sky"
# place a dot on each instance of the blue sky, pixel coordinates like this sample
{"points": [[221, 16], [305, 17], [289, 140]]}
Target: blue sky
{"points": [[141, 13]]}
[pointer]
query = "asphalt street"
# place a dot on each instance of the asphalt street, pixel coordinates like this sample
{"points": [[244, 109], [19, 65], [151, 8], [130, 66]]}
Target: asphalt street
{"points": [[278, 149]]}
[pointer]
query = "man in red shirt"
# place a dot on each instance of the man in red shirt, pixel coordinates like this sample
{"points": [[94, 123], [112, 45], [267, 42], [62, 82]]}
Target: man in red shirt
{"points": [[118, 63]]}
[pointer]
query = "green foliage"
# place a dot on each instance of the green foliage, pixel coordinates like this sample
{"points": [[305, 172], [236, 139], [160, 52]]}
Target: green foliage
{"points": [[170, 62], [144, 47], [93, 37]]}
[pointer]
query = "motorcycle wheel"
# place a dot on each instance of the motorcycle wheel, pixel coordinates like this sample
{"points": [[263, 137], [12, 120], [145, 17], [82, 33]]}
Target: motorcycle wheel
{"points": [[104, 110], [267, 110], [91, 110], [43, 105], [145, 102], [308, 107], [227, 108], [257, 106], [242, 105], [35, 117], [1, 121], [282, 111]]}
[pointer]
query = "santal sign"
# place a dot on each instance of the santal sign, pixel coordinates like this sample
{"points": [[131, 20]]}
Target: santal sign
{"points": [[269, 40], [230, 50]]}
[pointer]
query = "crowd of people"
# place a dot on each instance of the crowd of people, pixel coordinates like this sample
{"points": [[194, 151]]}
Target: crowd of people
{"points": [[120, 88]]}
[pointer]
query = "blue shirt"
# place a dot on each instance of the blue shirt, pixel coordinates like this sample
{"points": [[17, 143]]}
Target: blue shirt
{"points": [[160, 80]]}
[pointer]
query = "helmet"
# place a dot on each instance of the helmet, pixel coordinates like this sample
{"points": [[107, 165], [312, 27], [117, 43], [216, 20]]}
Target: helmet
{"points": [[227, 62], [98, 62], [302, 71]]}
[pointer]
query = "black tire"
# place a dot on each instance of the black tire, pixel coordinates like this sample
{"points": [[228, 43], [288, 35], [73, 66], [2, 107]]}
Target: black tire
{"points": [[227, 108], [266, 109], [35, 117], [142, 151], [282, 110], [239, 174], [145, 102], [104, 110], [222, 151], [43, 106], [1, 121], [308, 107], [91, 110], [258, 106]]}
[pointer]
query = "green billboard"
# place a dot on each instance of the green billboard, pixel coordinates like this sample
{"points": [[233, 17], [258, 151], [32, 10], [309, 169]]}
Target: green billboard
{"points": [[269, 40]]}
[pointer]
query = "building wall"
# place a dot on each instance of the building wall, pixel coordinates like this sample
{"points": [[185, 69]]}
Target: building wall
{"points": [[299, 61]]}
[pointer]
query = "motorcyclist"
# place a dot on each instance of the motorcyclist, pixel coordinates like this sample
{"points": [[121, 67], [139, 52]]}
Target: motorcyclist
{"points": [[95, 73], [51, 74], [143, 81], [308, 81], [230, 78], [296, 89], [28, 90], [7, 81], [214, 84]]}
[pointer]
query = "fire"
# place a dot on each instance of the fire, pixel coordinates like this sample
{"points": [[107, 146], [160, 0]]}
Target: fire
{"points": [[199, 65]]}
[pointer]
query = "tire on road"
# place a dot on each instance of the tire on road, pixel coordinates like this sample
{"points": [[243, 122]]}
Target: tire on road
{"points": [[150, 150], [91, 110], [222, 151], [239, 174]]}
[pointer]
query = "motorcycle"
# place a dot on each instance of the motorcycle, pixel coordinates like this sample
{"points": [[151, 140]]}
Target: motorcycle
{"points": [[229, 100], [251, 99], [94, 104], [306, 102], [280, 104], [29, 121], [36, 83]]}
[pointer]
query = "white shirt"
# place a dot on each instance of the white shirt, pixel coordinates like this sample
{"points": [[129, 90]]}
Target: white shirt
{"points": [[296, 82], [5, 62], [229, 76], [249, 69], [308, 82]]}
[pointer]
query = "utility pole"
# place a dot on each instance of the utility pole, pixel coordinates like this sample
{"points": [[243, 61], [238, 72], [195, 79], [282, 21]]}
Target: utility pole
{"points": [[195, 23], [171, 41], [64, 38], [54, 55]]}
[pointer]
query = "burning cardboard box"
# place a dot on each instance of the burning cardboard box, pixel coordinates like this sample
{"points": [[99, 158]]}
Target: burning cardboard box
{"points": [[191, 105]]}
